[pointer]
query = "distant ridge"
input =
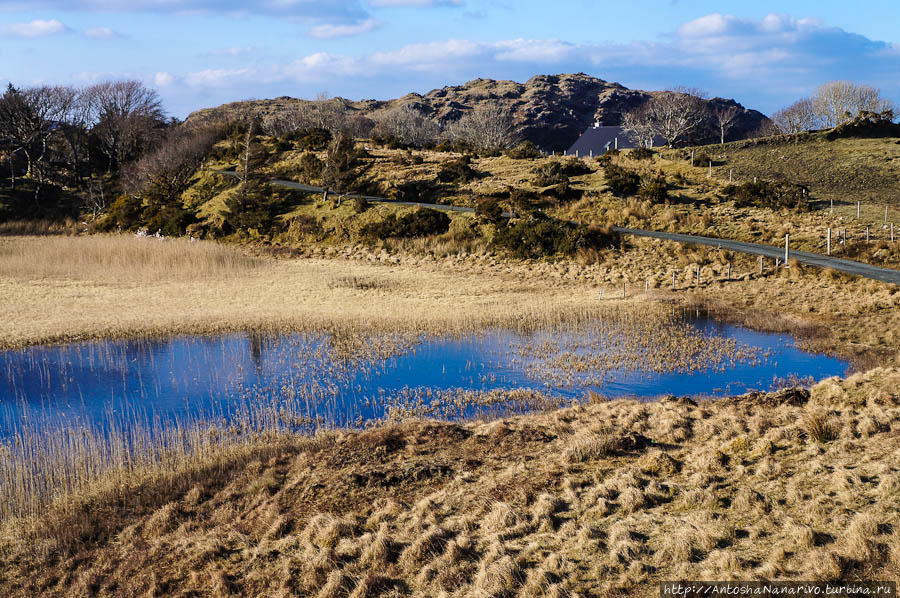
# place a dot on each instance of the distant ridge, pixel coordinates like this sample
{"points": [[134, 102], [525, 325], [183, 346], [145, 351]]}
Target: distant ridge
{"points": [[552, 110]]}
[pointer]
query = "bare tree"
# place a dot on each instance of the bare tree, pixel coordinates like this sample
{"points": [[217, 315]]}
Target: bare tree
{"points": [[725, 119], [836, 102], [677, 114], [127, 114], [639, 126], [796, 118], [487, 128], [407, 124], [166, 172]]}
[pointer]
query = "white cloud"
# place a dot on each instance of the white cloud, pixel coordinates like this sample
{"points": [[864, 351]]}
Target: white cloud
{"points": [[101, 33], [163, 79], [32, 29], [328, 31], [234, 51]]}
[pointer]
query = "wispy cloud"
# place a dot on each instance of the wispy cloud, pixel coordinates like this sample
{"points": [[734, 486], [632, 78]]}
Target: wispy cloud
{"points": [[101, 33], [33, 29], [328, 31]]}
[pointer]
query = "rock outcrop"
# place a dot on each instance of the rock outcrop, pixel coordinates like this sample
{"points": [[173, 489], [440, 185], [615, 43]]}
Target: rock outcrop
{"points": [[552, 110]]}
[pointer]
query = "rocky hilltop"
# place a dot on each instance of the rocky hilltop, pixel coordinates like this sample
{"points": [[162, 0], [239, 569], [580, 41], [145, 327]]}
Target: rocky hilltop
{"points": [[552, 110]]}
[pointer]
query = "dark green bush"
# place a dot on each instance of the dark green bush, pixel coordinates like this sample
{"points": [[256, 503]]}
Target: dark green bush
{"points": [[425, 191], [524, 151], [554, 172], [124, 213], [457, 171], [535, 238], [310, 167], [654, 189], [170, 219], [522, 201], [255, 206], [282, 145], [421, 223], [315, 139], [769, 194], [389, 142], [490, 210], [621, 181], [360, 205], [641, 153]]}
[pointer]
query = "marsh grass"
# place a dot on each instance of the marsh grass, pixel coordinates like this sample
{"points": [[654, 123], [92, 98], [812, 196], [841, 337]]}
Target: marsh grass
{"points": [[120, 258]]}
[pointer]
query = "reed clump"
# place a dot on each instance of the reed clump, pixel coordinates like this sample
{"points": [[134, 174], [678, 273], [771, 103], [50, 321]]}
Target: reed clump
{"points": [[424, 508]]}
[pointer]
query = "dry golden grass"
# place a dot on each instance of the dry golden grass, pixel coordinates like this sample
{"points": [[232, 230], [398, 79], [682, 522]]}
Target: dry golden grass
{"points": [[496, 509], [119, 258], [64, 288]]}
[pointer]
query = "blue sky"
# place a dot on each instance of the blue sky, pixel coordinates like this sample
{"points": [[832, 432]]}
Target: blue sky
{"points": [[201, 53]]}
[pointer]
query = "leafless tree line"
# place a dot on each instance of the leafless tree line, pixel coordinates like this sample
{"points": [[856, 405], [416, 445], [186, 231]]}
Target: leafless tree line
{"points": [[832, 104], [44, 126], [678, 115], [484, 128]]}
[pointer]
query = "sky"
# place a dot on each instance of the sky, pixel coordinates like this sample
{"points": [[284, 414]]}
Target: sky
{"points": [[202, 53]]}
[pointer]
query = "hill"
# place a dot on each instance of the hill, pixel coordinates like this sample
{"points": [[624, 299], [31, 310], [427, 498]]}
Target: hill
{"points": [[552, 110]]}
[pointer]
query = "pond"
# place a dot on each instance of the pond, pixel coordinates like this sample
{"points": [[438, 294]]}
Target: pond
{"points": [[338, 379]]}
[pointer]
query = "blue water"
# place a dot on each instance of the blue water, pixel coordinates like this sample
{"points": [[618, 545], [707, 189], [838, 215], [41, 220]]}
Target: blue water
{"points": [[217, 376]]}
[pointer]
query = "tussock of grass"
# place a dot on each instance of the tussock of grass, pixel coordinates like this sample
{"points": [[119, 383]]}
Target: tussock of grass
{"points": [[508, 518]]}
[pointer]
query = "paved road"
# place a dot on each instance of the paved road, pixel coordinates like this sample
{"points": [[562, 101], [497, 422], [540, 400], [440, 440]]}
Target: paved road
{"points": [[804, 257], [812, 259]]}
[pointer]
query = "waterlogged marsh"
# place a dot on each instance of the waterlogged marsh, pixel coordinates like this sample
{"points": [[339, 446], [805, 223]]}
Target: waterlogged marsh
{"points": [[334, 379]]}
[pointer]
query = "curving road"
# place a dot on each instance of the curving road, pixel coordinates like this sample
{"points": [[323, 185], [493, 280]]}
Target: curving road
{"points": [[812, 259]]}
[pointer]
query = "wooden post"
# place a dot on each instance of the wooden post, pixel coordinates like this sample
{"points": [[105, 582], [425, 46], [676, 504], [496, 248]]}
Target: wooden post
{"points": [[692, 158], [623, 289], [709, 172], [828, 242], [698, 275], [832, 205], [728, 276], [673, 281], [787, 246], [646, 285], [730, 175], [867, 235], [760, 265], [592, 154]]}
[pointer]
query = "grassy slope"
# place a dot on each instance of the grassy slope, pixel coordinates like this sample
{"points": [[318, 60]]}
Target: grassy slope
{"points": [[843, 170], [567, 503]]}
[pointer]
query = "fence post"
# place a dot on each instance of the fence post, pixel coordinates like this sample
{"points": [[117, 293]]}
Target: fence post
{"points": [[728, 276], [692, 158], [623, 289], [709, 172], [760, 265], [828, 242], [787, 245], [698, 275], [673, 281], [646, 285], [730, 175], [867, 235]]}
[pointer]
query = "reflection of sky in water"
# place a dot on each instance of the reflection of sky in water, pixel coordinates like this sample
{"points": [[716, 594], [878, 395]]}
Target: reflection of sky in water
{"points": [[187, 376]]}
